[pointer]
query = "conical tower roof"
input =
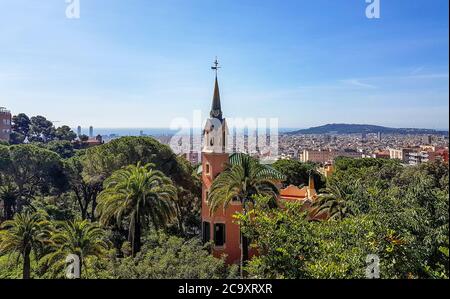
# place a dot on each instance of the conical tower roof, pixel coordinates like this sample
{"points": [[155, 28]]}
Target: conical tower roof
{"points": [[216, 108]]}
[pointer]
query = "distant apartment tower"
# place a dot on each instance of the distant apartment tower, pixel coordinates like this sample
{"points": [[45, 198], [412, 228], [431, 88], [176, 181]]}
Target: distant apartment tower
{"points": [[427, 139], [79, 131], [401, 154], [364, 137], [418, 157], [5, 124], [425, 154], [396, 154], [91, 132]]}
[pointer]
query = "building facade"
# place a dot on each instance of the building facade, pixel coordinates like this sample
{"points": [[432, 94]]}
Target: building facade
{"points": [[5, 124], [326, 156], [419, 155], [396, 154], [218, 226]]}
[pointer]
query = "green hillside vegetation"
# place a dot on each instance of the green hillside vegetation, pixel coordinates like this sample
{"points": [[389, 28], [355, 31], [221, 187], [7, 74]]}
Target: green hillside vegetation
{"points": [[361, 128]]}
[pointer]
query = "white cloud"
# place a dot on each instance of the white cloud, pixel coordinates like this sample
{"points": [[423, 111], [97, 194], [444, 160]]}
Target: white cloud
{"points": [[358, 83]]}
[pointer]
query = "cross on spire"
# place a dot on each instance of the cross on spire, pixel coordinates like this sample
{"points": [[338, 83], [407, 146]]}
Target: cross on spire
{"points": [[216, 109], [216, 66]]}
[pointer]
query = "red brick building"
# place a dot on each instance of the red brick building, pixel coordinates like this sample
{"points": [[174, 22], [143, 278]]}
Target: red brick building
{"points": [[5, 124], [218, 226]]}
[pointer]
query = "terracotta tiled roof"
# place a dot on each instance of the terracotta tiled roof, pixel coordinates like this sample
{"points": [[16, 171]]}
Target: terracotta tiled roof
{"points": [[294, 192]]}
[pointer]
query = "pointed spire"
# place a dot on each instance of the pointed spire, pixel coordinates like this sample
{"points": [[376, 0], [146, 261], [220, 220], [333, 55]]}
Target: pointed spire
{"points": [[216, 109]]}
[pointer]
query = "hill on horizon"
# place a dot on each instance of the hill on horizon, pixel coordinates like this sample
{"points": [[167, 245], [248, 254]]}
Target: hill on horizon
{"points": [[360, 128]]}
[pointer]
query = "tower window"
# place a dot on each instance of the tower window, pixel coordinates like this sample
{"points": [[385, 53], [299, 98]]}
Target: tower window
{"points": [[207, 169], [219, 234], [206, 236]]}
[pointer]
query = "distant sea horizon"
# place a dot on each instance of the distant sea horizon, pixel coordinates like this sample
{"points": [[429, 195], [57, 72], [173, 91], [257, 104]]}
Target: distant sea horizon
{"points": [[162, 131], [146, 131]]}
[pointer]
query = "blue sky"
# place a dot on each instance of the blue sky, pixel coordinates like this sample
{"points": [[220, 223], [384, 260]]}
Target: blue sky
{"points": [[141, 63]]}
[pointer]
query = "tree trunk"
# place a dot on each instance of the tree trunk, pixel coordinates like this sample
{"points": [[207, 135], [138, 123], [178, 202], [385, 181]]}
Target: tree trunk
{"points": [[81, 267], [8, 210], [26, 264], [83, 208], [244, 248], [94, 206], [180, 219], [136, 243], [244, 253]]}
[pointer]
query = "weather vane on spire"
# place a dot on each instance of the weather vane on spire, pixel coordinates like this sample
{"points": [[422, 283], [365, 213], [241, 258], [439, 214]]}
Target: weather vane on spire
{"points": [[216, 66]]}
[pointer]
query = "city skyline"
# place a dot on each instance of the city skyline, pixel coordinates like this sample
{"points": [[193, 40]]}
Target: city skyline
{"points": [[141, 65]]}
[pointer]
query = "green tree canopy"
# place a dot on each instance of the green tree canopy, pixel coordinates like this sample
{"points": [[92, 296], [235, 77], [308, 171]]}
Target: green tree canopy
{"points": [[297, 173], [79, 237], [63, 148], [398, 213], [138, 195], [65, 133], [21, 124], [25, 233], [170, 257], [32, 170], [41, 129], [103, 160]]}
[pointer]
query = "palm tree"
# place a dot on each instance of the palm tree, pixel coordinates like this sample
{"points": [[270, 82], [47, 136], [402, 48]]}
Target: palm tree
{"points": [[25, 232], [332, 203], [9, 195], [138, 194], [78, 237], [243, 178]]}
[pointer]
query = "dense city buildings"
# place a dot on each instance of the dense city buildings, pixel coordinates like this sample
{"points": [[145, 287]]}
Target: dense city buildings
{"points": [[325, 148], [5, 124], [324, 156]]}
